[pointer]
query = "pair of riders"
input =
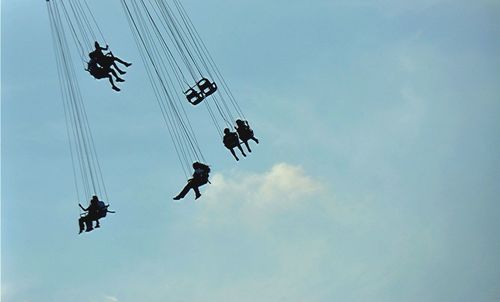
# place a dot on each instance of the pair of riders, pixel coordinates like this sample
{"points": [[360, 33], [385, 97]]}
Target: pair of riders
{"points": [[232, 139], [100, 65], [95, 211]]}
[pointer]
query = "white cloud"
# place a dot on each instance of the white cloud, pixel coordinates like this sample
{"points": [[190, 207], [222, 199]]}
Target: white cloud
{"points": [[110, 299], [284, 183], [254, 201], [253, 198]]}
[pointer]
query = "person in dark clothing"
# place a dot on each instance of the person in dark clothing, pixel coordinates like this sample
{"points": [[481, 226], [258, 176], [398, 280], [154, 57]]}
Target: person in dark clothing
{"points": [[107, 60], [99, 72], [96, 210], [200, 177], [245, 133], [231, 141], [91, 215]]}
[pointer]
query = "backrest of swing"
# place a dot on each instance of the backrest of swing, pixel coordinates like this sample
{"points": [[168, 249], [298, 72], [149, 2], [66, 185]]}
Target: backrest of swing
{"points": [[103, 209]]}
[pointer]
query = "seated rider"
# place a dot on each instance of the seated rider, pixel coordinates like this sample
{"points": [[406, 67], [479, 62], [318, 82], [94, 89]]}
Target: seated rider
{"points": [[200, 177], [231, 140], [100, 72], [102, 212], [107, 60], [92, 214], [96, 210], [245, 133]]}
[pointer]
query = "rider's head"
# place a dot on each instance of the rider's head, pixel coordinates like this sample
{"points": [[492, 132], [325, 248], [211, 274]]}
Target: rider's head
{"points": [[226, 131], [96, 44], [239, 122]]}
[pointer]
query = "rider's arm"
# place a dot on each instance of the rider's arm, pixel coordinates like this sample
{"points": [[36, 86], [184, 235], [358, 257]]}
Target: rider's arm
{"points": [[83, 207], [109, 210]]}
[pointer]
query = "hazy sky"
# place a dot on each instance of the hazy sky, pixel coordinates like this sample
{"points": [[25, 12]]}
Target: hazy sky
{"points": [[377, 176]]}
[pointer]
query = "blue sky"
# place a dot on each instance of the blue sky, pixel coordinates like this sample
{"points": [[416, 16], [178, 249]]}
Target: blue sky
{"points": [[376, 178]]}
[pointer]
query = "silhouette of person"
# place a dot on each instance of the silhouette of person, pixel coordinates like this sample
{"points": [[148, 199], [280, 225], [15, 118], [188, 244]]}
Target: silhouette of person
{"points": [[231, 141], [96, 210], [100, 72], [200, 177], [91, 215], [245, 133], [107, 60]]}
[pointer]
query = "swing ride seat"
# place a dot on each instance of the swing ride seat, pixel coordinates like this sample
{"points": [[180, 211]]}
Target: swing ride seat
{"points": [[245, 133], [231, 141], [206, 87], [193, 96]]}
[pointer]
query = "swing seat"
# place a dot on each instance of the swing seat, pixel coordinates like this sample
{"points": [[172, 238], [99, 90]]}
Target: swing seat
{"points": [[193, 96], [231, 141], [245, 133], [206, 87]]}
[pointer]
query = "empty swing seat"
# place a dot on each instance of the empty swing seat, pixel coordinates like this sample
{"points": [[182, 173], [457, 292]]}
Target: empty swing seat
{"points": [[193, 96], [206, 87]]}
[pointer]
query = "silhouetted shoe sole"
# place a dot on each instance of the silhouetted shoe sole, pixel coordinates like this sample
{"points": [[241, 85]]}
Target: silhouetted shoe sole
{"points": [[197, 197], [120, 80], [177, 198], [116, 89], [128, 64]]}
